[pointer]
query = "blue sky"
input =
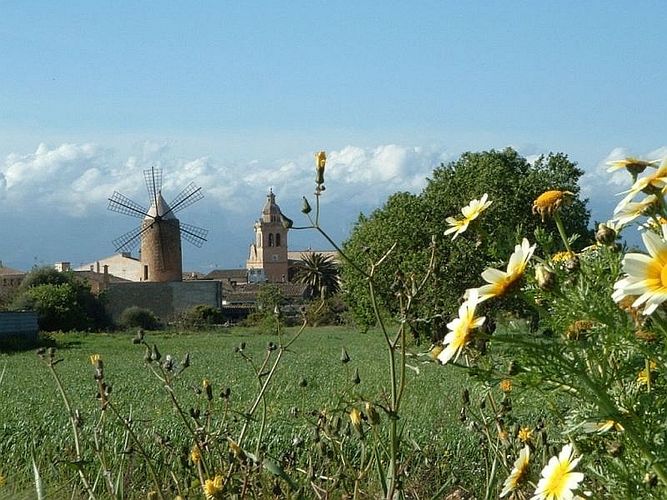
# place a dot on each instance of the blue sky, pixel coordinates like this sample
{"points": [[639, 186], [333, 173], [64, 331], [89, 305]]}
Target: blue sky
{"points": [[237, 96]]}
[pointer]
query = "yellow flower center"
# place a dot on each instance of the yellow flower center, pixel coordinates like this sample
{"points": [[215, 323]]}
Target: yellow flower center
{"points": [[558, 481], [548, 198], [663, 276]]}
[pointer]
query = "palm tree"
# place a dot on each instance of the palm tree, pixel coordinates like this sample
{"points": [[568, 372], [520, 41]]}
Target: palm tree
{"points": [[320, 273]]}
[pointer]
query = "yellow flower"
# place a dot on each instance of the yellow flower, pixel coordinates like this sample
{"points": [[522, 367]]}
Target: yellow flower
{"points": [[518, 472], [558, 479], [525, 434], [3, 481], [236, 449], [633, 165], [470, 213], [461, 329], [500, 282], [563, 256], [646, 274], [503, 435], [548, 202], [213, 487], [435, 351], [355, 418], [195, 454], [505, 385], [644, 376], [95, 359], [608, 425], [320, 163]]}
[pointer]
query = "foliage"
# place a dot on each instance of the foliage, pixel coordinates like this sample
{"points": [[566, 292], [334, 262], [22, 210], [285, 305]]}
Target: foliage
{"points": [[330, 311], [320, 273], [62, 301], [139, 317], [411, 222], [268, 298], [201, 316]]}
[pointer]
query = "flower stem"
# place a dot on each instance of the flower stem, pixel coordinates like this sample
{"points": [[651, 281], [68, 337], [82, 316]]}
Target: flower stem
{"points": [[561, 231]]}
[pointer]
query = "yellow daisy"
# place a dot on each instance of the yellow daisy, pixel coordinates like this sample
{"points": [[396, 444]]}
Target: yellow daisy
{"points": [[550, 201], [518, 472], [525, 434], [213, 487], [607, 425], [631, 164], [470, 213], [499, 282], [558, 479], [355, 419], [461, 329], [646, 274], [644, 376]]}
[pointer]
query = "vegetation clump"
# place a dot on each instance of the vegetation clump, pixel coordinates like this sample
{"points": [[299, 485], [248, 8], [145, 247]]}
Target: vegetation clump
{"points": [[139, 317]]}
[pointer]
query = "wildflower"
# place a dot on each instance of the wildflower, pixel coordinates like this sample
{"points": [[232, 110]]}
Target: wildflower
{"points": [[646, 274], [624, 213], [525, 434], [558, 479], [633, 165], [3, 481], [506, 385], [461, 328], [236, 449], [562, 257], [208, 390], [607, 425], [355, 419], [518, 472], [544, 277], [503, 435], [649, 184], [499, 282], [550, 201], [195, 454], [470, 213], [95, 359], [644, 376], [435, 351], [605, 235], [213, 487], [372, 413], [320, 163]]}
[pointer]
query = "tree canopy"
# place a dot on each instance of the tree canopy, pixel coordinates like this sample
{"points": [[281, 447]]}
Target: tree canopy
{"points": [[413, 221]]}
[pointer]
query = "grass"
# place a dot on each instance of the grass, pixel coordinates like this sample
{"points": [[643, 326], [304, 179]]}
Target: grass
{"points": [[32, 416]]}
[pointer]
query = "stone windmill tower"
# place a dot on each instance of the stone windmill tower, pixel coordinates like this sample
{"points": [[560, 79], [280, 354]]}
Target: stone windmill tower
{"points": [[160, 231], [268, 254]]}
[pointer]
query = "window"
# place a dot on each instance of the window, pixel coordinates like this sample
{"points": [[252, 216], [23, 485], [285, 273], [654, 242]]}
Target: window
{"points": [[274, 258], [270, 239], [145, 273], [278, 239]]}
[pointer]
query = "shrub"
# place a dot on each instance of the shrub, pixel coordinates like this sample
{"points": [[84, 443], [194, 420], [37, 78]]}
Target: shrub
{"points": [[201, 315], [138, 317], [331, 312]]}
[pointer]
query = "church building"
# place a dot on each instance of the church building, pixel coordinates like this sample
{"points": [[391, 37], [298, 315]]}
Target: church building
{"points": [[268, 261]]}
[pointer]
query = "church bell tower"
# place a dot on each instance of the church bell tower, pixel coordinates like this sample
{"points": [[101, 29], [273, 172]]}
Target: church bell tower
{"points": [[268, 254]]}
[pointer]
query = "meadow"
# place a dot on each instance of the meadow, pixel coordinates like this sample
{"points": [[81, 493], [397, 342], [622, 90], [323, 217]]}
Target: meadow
{"points": [[311, 378]]}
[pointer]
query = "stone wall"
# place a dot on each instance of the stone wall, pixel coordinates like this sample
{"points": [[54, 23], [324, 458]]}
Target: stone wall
{"points": [[166, 300]]}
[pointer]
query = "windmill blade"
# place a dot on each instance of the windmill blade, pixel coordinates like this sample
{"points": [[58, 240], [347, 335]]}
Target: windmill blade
{"points": [[123, 205], [191, 194], [153, 179], [193, 234], [129, 240]]}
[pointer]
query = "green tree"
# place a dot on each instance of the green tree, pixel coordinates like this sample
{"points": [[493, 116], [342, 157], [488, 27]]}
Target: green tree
{"points": [[319, 273], [62, 301], [411, 222]]}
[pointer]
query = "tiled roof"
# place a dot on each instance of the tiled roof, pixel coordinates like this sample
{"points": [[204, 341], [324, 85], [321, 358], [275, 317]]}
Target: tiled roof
{"points": [[219, 274]]}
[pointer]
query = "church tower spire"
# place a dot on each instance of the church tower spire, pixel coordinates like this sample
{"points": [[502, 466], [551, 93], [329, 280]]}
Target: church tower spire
{"points": [[268, 254]]}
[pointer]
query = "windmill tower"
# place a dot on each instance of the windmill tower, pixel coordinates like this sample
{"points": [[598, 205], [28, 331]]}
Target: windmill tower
{"points": [[160, 232], [268, 254]]}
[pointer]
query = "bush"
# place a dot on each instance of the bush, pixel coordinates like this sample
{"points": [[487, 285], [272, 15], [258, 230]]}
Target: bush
{"points": [[330, 313], [201, 316], [138, 317]]}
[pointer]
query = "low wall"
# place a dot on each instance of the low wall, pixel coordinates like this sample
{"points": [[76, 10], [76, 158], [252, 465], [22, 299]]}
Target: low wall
{"points": [[166, 300], [20, 326]]}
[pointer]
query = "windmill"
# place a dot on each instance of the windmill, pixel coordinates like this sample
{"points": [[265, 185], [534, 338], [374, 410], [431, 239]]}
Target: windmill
{"points": [[160, 232]]}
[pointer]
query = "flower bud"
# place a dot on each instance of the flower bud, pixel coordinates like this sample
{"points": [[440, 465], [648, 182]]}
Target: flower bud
{"points": [[355, 419], [372, 414], [344, 356], [155, 354], [303, 382], [305, 208], [320, 163], [356, 379], [186, 360], [605, 235], [545, 277], [207, 389]]}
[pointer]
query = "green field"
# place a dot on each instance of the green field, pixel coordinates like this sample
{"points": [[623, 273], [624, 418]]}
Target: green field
{"points": [[32, 416]]}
